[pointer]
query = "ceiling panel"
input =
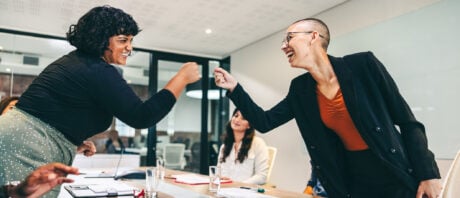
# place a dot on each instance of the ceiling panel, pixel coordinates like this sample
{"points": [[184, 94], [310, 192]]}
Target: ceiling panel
{"points": [[172, 25]]}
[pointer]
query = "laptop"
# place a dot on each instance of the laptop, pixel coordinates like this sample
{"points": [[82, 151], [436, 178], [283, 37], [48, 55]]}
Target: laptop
{"points": [[104, 174]]}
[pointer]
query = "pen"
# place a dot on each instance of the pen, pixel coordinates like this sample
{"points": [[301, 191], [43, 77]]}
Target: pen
{"points": [[260, 190]]}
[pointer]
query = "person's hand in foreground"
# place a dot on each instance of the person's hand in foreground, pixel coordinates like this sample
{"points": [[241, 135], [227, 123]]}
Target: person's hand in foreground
{"points": [[42, 180]]}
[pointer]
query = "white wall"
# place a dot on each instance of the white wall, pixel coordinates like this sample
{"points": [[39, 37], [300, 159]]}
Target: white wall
{"points": [[419, 48]]}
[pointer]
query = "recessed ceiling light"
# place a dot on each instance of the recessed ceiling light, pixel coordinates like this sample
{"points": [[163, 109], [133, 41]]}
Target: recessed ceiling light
{"points": [[208, 31]]}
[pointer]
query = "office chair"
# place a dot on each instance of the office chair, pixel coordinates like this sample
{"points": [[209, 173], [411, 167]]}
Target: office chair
{"points": [[271, 162], [173, 155], [452, 182]]}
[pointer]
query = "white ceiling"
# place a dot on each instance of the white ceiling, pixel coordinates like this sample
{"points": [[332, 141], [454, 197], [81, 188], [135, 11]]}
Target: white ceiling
{"points": [[172, 25], [179, 25]]}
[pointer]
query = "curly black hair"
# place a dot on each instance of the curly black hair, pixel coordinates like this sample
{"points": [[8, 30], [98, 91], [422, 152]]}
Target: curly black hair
{"points": [[229, 139], [92, 32]]}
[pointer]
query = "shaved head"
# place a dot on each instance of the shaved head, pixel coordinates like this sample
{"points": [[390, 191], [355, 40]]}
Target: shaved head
{"points": [[320, 27]]}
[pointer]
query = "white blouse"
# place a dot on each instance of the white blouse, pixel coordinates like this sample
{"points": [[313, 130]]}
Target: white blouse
{"points": [[254, 168]]}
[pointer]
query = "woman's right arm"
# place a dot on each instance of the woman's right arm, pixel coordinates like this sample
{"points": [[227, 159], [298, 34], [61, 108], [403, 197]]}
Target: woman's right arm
{"points": [[112, 92], [189, 73], [261, 120]]}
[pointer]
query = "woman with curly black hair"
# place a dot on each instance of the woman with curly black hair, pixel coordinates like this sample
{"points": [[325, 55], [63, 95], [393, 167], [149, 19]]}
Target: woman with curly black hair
{"points": [[243, 156], [77, 96]]}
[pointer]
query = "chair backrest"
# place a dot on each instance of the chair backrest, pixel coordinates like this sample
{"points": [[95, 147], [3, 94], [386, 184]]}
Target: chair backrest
{"points": [[162, 140], [452, 182], [271, 160], [173, 155]]}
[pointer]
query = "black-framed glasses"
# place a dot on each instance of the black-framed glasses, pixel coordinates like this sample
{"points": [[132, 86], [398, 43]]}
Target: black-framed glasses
{"points": [[289, 36]]}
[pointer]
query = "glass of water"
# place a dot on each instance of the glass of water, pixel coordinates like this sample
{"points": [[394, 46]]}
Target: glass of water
{"points": [[152, 179], [214, 178], [161, 168]]}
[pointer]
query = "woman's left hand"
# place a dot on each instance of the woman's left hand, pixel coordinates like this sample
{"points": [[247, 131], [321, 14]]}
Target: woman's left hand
{"points": [[42, 180], [87, 148], [429, 189]]}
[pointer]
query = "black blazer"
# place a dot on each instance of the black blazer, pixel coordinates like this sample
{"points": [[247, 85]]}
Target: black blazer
{"points": [[375, 106]]}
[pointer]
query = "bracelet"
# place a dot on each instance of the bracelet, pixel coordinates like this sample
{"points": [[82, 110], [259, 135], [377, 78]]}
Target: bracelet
{"points": [[7, 188]]}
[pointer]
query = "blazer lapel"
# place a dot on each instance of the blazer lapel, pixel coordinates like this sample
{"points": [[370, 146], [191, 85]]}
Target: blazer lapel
{"points": [[345, 77], [309, 104]]}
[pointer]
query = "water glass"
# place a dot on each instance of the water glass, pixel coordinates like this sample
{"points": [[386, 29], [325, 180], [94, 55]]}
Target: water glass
{"points": [[214, 178], [152, 179], [161, 168]]}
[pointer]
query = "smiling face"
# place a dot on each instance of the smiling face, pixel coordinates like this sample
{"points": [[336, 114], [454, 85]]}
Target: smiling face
{"points": [[297, 44], [120, 47], [238, 123], [303, 39]]}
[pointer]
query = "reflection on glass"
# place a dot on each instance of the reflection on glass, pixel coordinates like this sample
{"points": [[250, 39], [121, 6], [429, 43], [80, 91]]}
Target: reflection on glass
{"points": [[183, 123]]}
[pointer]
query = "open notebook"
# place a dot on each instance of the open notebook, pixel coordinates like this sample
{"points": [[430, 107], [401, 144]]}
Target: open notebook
{"points": [[100, 190]]}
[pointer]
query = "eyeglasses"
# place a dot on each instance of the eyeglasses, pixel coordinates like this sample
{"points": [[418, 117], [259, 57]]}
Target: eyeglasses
{"points": [[289, 36]]}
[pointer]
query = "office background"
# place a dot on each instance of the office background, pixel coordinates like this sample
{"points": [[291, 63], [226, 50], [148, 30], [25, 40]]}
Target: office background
{"points": [[416, 41]]}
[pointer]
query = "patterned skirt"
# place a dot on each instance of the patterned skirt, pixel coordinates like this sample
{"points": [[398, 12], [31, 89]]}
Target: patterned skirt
{"points": [[27, 143]]}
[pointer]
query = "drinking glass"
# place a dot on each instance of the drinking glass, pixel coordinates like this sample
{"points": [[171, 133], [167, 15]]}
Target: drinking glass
{"points": [[152, 179], [161, 168], [214, 178]]}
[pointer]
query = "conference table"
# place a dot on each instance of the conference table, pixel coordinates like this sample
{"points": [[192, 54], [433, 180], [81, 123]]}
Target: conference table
{"points": [[169, 187]]}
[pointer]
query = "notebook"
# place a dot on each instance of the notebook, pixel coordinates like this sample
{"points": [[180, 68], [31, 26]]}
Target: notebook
{"points": [[100, 190]]}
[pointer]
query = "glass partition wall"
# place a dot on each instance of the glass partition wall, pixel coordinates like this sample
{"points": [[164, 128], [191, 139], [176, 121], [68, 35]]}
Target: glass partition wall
{"points": [[196, 122]]}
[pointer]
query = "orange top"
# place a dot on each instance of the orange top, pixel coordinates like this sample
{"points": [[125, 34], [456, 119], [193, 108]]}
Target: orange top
{"points": [[335, 116]]}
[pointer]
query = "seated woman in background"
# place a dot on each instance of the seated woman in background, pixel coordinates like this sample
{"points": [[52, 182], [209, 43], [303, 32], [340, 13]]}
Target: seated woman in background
{"points": [[114, 142], [8, 103], [243, 156]]}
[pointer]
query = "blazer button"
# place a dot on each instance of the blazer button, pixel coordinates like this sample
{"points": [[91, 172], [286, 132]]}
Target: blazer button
{"points": [[318, 167], [313, 147], [393, 150], [378, 129], [410, 170], [348, 195]]}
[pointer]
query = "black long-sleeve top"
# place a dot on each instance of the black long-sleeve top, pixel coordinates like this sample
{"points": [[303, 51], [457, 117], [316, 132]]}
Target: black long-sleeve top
{"points": [[79, 94]]}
